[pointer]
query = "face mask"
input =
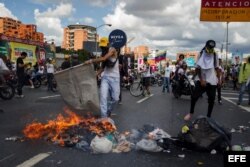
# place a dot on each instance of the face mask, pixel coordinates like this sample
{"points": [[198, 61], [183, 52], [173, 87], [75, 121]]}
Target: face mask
{"points": [[209, 50]]}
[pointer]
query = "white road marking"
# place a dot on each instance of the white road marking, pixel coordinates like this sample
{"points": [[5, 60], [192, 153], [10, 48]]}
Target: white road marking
{"points": [[145, 98], [9, 156], [47, 97], [34, 160], [230, 93], [235, 98], [242, 107]]}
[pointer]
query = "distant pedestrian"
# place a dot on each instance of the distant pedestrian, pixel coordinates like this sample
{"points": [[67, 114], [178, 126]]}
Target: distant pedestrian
{"points": [[146, 74], [20, 73], [123, 67], [3, 69], [244, 80], [221, 69], [166, 83], [50, 74], [235, 74], [207, 78], [75, 60], [66, 63]]}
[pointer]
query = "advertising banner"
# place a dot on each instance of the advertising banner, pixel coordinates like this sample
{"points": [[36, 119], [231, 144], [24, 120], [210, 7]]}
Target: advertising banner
{"points": [[117, 38], [18, 48], [237, 58], [225, 10]]}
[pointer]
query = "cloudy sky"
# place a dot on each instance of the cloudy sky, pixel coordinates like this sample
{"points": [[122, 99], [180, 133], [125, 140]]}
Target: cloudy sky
{"points": [[161, 24]]}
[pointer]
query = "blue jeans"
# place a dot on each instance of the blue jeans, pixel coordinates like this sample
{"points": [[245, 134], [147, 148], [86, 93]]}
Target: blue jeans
{"points": [[110, 86], [243, 87], [165, 84]]}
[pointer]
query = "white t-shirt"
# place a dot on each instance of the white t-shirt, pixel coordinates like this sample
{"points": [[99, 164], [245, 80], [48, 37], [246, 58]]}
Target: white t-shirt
{"points": [[3, 65], [40, 70], [207, 66], [146, 69], [50, 68], [168, 71], [181, 71]]}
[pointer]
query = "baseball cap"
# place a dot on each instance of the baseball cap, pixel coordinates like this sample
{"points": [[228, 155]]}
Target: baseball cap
{"points": [[210, 44], [103, 42]]}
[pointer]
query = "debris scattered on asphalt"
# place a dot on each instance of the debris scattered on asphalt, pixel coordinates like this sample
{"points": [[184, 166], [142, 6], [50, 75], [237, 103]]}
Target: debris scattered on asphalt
{"points": [[213, 151], [200, 163], [246, 148], [236, 148], [14, 138], [181, 155], [59, 162]]}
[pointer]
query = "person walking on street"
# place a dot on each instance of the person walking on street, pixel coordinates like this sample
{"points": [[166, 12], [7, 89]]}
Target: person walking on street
{"points": [[244, 81], [222, 79], [123, 66], [208, 76], [50, 74], [110, 82], [66, 63], [20, 74], [3, 69], [146, 74], [166, 83]]}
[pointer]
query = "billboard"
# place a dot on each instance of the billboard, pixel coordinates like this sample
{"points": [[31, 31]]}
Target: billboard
{"points": [[17, 48], [225, 10]]}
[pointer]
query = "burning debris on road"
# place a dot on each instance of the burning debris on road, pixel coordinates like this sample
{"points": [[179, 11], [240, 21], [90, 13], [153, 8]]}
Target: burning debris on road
{"points": [[67, 131], [101, 135], [96, 135]]}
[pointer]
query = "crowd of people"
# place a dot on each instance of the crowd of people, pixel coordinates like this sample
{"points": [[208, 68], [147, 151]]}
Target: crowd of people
{"points": [[209, 75]]}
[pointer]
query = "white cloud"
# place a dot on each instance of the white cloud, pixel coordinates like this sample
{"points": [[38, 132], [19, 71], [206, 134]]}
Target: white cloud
{"points": [[88, 20], [49, 22], [238, 39], [6, 12], [49, 1], [174, 25], [99, 3]]}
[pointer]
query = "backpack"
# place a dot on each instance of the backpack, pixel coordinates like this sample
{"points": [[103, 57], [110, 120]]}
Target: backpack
{"points": [[205, 135], [108, 63]]}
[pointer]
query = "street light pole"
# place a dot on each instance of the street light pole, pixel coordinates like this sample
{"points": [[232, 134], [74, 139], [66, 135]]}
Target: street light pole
{"points": [[96, 35]]}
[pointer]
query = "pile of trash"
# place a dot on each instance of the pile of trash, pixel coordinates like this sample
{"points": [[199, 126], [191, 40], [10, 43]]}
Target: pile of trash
{"points": [[101, 136], [148, 138]]}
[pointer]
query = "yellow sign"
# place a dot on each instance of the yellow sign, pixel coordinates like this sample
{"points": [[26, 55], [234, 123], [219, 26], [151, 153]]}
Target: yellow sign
{"points": [[225, 10], [18, 48]]}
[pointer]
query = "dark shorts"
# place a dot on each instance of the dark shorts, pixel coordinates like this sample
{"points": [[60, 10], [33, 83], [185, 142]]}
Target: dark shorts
{"points": [[146, 81]]}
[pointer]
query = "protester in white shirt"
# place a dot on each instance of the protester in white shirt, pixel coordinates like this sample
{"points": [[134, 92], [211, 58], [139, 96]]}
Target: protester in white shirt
{"points": [[208, 76], [50, 72], [166, 84], [3, 69], [146, 75]]}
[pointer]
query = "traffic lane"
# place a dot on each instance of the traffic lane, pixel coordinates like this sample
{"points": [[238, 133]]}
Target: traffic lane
{"points": [[167, 117]]}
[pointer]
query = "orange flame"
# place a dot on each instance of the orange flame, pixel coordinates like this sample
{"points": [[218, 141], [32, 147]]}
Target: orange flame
{"points": [[54, 129]]}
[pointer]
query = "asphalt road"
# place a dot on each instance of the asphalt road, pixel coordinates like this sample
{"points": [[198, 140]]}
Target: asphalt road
{"points": [[162, 110]]}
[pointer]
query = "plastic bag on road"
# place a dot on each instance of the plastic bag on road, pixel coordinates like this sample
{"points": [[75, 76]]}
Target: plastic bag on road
{"points": [[148, 145], [101, 145], [78, 88]]}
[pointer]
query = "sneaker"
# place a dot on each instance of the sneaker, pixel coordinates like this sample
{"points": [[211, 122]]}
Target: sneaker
{"points": [[32, 87], [19, 96], [187, 117], [220, 102]]}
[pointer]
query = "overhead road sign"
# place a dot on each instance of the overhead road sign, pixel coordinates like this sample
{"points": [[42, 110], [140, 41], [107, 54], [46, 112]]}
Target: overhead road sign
{"points": [[225, 10]]}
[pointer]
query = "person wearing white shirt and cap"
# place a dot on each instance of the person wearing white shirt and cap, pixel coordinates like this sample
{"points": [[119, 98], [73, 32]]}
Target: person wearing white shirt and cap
{"points": [[208, 77]]}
